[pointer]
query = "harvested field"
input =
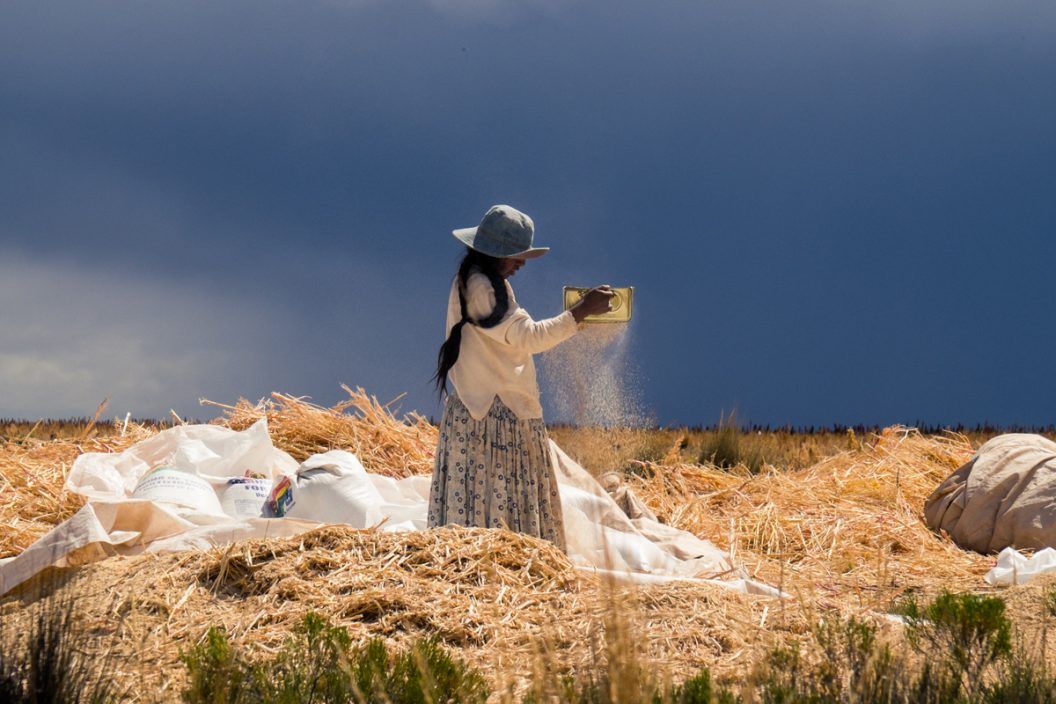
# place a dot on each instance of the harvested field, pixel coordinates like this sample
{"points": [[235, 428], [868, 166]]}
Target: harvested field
{"points": [[494, 596], [844, 535]]}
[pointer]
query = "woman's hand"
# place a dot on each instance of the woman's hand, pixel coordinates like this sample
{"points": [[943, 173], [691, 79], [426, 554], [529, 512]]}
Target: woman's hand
{"points": [[594, 302]]}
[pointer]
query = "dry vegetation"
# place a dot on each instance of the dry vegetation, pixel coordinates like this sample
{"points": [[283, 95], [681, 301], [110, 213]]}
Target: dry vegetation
{"points": [[607, 449], [384, 444], [833, 518], [33, 473], [495, 596], [846, 532]]}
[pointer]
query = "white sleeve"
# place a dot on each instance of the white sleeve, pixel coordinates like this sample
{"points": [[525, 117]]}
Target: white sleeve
{"points": [[517, 328]]}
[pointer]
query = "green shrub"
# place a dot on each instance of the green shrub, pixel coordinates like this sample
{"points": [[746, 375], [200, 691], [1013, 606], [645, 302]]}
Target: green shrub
{"points": [[784, 680], [311, 668], [426, 674], [965, 633], [216, 674], [851, 666], [320, 666], [698, 689], [966, 656], [855, 665], [1050, 600], [590, 689], [1022, 681], [964, 642]]}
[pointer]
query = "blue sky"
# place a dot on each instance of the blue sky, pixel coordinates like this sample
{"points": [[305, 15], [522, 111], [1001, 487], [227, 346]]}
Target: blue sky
{"points": [[833, 211]]}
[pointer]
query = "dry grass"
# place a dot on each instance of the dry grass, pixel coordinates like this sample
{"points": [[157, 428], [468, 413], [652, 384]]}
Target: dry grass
{"points": [[602, 450], [847, 532], [844, 534], [498, 598], [33, 472], [384, 444]]}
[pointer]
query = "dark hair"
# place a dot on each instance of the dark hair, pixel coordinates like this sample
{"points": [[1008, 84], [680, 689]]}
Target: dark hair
{"points": [[489, 266]]}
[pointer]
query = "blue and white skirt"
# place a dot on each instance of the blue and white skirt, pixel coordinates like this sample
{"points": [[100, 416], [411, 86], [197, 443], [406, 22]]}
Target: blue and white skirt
{"points": [[495, 473]]}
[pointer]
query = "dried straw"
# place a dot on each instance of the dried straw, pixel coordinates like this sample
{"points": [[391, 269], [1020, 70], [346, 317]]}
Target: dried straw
{"points": [[384, 444], [845, 534], [848, 530], [494, 596], [33, 498]]}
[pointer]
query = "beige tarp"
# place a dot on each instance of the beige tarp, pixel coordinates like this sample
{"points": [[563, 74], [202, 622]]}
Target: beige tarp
{"points": [[1005, 496]]}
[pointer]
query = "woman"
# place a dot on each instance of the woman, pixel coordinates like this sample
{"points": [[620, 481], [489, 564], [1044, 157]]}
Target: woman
{"points": [[493, 464]]}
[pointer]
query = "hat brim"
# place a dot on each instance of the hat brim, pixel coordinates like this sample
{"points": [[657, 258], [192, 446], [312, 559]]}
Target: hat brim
{"points": [[468, 235]]}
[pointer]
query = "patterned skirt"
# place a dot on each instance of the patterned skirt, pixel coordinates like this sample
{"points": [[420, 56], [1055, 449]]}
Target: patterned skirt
{"points": [[495, 472]]}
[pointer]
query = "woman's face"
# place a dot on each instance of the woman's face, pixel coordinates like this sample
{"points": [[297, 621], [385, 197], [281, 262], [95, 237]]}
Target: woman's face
{"points": [[509, 266]]}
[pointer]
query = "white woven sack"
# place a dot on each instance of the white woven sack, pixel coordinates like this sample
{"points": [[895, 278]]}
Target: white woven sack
{"points": [[333, 487]]}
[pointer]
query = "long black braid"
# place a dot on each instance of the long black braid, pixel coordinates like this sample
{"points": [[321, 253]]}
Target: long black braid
{"points": [[489, 266]]}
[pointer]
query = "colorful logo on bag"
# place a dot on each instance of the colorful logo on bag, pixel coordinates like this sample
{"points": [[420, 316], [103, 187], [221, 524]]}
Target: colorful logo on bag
{"points": [[281, 498]]}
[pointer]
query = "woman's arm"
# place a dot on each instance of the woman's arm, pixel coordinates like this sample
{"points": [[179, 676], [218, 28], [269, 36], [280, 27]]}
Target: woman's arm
{"points": [[517, 328], [540, 335]]}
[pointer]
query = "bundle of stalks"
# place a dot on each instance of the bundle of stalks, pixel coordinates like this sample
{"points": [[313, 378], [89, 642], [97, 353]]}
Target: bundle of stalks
{"points": [[850, 526], [33, 498], [384, 444], [499, 599]]}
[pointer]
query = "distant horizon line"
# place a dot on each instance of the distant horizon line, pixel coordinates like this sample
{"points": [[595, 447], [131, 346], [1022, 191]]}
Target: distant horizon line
{"points": [[984, 428]]}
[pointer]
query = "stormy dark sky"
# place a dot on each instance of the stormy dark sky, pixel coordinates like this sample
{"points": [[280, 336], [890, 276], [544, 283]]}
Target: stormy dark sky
{"points": [[833, 210]]}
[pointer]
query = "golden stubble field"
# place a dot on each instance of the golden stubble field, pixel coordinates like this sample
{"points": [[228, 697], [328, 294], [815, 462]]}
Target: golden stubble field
{"points": [[832, 519]]}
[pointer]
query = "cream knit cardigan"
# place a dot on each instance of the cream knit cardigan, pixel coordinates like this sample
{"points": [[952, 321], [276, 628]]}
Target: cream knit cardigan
{"points": [[497, 361]]}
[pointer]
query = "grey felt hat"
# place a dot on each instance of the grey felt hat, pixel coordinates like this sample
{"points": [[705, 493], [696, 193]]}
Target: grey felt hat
{"points": [[504, 232]]}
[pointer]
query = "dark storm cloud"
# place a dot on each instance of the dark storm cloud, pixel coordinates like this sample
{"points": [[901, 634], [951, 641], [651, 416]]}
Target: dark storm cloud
{"points": [[833, 211]]}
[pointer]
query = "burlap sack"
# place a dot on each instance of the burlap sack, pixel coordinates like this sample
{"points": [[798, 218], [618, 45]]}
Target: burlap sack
{"points": [[1005, 496]]}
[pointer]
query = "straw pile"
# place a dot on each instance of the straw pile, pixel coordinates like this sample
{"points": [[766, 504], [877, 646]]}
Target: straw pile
{"points": [[33, 499], [384, 444], [848, 531], [496, 597]]}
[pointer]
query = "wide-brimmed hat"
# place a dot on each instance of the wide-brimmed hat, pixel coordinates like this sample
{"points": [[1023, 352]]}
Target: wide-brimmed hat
{"points": [[503, 232]]}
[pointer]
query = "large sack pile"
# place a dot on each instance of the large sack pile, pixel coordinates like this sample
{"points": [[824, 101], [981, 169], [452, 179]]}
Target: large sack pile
{"points": [[1005, 496]]}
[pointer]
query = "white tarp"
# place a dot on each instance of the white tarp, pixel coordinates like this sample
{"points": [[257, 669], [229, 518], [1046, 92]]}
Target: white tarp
{"points": [[1013, 567], [134, 507]]}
